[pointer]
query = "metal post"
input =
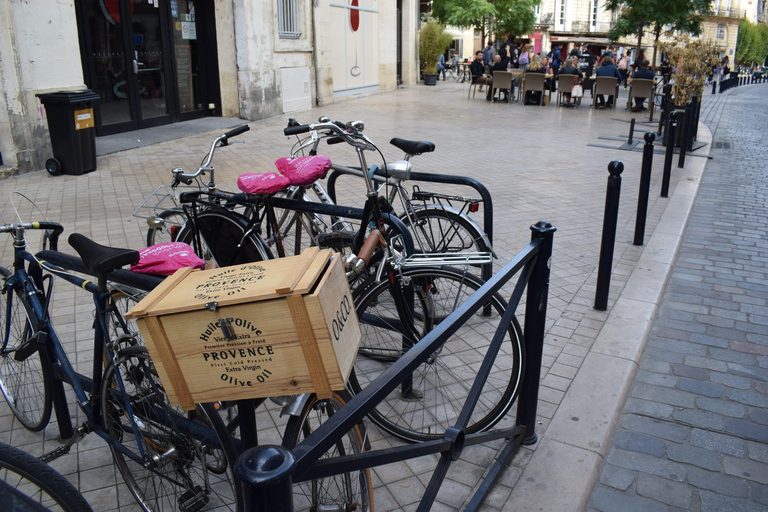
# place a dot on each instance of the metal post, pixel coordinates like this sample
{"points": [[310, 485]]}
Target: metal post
{"points": [[535, 324], [666, 107], [645, 188], [266, 470], [612, 193], [631, 130], [684, 135], [671, 125], [692, 128]]}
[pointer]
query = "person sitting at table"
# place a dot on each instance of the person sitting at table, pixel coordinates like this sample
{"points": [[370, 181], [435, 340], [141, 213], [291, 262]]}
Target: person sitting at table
{"points": [[504, 58], [499, 65], [643, 72], [477, 69], [454, 62], [533, 97], [549, 72], [571, 68], [607, 68]]}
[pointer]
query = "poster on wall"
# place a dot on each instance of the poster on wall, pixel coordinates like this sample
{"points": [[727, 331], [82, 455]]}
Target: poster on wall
{"points": [[355, 50]]}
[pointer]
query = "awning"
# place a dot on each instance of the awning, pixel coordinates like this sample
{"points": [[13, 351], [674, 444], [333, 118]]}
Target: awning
{"points": [[581, 40]]}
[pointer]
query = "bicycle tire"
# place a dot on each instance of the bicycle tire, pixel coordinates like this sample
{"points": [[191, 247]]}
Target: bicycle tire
{"points": [[438, 230], [26, 385], [348, 491], [440, 385], [220, 232], [173, 222], [39, 482], [188, 474]]}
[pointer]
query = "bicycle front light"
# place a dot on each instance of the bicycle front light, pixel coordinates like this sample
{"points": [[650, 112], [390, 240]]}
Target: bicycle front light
{"points": [[155, 223]]}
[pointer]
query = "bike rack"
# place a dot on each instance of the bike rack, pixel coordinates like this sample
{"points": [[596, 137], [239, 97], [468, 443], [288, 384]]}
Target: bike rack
{"points": [[269, 471], [487, 269]]}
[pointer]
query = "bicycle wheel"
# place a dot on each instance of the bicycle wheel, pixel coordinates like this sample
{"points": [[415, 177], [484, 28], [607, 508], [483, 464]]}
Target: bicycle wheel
{"points": [[225, 238], [436, 229], [438, 387], [180, 471], [173, 221], [26, 479], [25, 377], [347, 491]]}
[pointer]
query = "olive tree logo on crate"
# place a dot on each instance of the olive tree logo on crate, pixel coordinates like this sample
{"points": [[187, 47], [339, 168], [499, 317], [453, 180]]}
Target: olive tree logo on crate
{"points": [[229, 282], [241, 355], [342, 315]]}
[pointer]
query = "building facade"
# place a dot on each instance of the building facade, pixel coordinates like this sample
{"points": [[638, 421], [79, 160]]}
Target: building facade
{"points": [[154, 62]]}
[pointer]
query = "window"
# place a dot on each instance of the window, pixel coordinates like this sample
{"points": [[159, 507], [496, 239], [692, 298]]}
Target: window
{"points": [[288, 19], [721, 31], [562, 12], [594, 13]]}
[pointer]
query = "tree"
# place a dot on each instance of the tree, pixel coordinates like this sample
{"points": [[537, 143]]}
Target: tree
{"points": [[637, 16], [509, 16], [752, 43], [433, 40]]}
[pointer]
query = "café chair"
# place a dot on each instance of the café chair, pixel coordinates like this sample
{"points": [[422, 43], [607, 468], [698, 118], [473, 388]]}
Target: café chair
{"points": [[640, 88], [533, 82], [502, 80], [564, 84], [605, 85]]}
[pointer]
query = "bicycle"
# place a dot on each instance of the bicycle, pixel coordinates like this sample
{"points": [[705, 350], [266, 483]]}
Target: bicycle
{"points": [[28, 484], [169, 458]]}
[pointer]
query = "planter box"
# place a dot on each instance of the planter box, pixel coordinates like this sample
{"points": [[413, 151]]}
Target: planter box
{"points": [[278, 327]]}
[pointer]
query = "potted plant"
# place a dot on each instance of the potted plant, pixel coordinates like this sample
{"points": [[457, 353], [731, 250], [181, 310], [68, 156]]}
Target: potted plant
{"points": [[433, 40]]}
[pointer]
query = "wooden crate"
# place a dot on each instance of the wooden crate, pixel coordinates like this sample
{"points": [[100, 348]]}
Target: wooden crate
{"points": [[271, 328]]}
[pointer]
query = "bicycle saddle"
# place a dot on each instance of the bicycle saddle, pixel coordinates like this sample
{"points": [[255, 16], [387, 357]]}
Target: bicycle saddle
{"points": [[413, 147], [99, 258]]}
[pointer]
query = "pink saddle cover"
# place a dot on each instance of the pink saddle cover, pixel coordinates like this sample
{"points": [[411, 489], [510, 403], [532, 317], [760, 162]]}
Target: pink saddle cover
{"points": [[305, 170], [165, 259], [262, 183]]}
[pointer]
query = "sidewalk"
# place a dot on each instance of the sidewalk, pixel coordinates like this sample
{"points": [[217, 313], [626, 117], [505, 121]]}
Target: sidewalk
{"points": [[538, 166], [693, 434]]}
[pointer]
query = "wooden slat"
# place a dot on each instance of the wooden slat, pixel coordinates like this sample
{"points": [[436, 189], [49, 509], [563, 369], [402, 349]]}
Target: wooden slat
{"points": [[309, 345], [292, 278], [158, 293]]}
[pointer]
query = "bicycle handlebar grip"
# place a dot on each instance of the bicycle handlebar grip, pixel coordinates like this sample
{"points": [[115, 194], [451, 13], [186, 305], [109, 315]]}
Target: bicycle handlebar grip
{"points": [[295, 130], [54, 229], [335, 140], [237, 131], [366, 251]]}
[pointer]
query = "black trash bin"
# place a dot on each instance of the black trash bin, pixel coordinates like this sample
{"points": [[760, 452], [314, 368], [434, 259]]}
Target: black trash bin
{"points": [[71, 124]]}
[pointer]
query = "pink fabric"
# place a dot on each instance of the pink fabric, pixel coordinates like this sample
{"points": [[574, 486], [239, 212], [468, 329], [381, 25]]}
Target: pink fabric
{"points": [[165, 259], [305, 170], [258, 183]]}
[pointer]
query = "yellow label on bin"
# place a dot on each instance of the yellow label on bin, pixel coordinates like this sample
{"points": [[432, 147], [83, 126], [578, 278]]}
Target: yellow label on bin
{"points": [[83, 119]]}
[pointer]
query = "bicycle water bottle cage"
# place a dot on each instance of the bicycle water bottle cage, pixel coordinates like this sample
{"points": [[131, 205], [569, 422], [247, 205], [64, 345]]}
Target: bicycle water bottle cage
{"points": [[413, 147], [262, 183], [305, 170]]}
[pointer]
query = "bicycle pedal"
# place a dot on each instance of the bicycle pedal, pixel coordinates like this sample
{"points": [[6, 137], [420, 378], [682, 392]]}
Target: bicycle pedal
{"points": [[193, 500], [55, 454]]}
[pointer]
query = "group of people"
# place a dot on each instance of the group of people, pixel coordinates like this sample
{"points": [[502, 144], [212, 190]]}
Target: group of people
{"points": [[521, 56]]}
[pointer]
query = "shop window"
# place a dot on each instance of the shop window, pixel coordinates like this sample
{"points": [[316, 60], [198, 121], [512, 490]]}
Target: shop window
{"points": [[288, 19]]}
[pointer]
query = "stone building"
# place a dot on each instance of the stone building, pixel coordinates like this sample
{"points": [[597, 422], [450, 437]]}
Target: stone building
{"points": [[154, 62]]}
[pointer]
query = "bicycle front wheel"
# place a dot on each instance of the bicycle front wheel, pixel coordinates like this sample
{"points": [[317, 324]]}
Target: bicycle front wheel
{"points": [[437, 230], [225, 238], [36, 481], [430, 399], [348, 491], [173, 221], [25, 377], [185, 465]]}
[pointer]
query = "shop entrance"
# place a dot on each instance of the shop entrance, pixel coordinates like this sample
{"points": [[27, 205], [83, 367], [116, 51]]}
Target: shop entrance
{"points": [[144, 59]]}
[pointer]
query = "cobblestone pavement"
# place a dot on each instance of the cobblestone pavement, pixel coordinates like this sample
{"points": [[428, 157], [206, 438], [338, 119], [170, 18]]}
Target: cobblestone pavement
{"points": [[693, 434], [537, 164]]}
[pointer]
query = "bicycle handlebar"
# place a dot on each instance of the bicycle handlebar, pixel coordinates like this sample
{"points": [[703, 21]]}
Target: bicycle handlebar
{"points": [[54, 228], [179, 176], [233, 133]]}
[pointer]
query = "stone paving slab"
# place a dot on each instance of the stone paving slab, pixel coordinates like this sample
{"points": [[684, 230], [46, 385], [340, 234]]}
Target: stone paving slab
{"points": [[536, 163]]}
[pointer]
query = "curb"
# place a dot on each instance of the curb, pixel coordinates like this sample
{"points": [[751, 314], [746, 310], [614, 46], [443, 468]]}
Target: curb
{"points": [[566, 463]]}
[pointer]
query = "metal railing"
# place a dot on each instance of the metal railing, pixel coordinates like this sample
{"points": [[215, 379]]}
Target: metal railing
{"points": [[269, 471]]}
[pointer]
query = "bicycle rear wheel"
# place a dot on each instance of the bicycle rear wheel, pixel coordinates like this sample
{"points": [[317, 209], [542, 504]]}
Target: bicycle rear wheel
{"points": [[439, 230], [25, 377], [35, 482], [347, 491], [185, 462], [225, 238], [439, 387]]}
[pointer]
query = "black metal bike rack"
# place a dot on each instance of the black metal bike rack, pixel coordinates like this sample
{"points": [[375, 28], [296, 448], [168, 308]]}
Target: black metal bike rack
{"points": [[269, 471]]}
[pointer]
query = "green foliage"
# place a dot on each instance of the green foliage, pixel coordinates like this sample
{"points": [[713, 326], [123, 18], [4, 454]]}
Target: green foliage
{"points": [[752, 43], [433, 40], [510, 16]]}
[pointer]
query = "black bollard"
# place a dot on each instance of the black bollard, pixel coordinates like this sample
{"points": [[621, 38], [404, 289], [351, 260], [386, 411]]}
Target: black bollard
{"points": [[684, 135], [267, 473], [612, 193], [671, 125], [645, 188], [631, 130], [693, 127]]}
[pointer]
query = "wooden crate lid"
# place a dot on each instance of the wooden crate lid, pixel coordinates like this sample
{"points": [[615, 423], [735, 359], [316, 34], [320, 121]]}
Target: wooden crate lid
{"points": [[189, 290]]}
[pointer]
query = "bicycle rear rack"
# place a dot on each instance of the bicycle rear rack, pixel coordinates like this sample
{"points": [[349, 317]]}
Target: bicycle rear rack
{"points": [[459, 259]]}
